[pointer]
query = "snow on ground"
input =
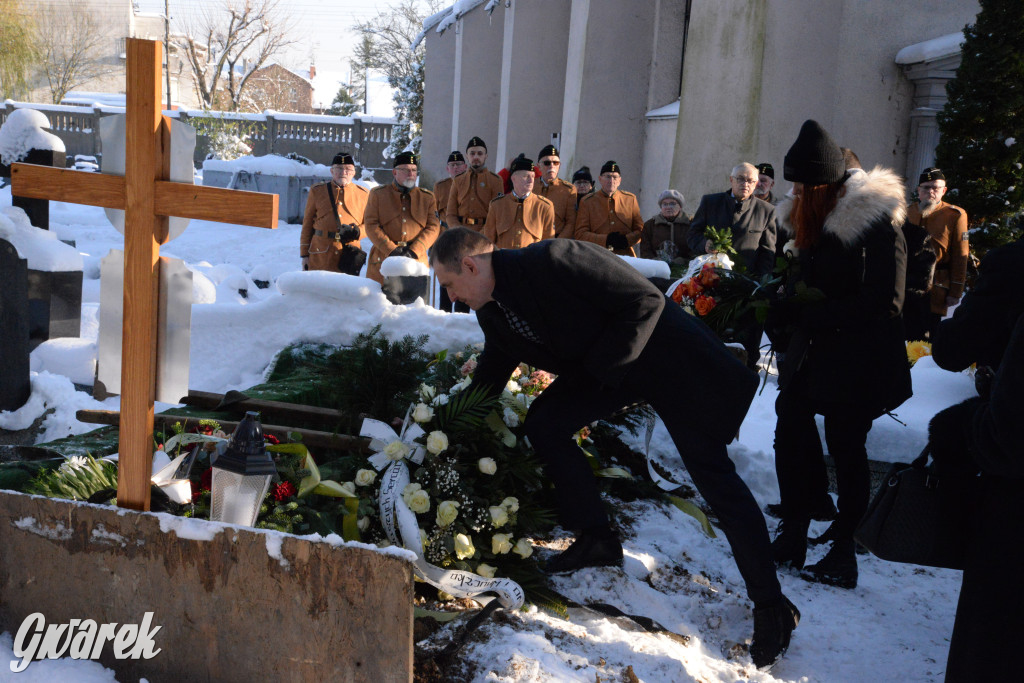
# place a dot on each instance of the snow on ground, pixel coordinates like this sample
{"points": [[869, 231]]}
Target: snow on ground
{"points": [[894, 626]]}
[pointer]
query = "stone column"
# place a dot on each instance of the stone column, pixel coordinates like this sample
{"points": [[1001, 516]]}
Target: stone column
{"points": [[929, 79]]}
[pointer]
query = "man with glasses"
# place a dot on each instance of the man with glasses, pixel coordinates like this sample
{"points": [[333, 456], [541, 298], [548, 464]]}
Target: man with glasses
{"points": [[559, 192], [946, 226], [751, 220], [401, 219], [332, 224], [521, 217], [610, 217]]}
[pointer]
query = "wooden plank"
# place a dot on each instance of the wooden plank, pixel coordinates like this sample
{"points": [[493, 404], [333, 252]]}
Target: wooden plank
{"points": [[210, 401], [258, 209], [67, 185], [310, 437]]}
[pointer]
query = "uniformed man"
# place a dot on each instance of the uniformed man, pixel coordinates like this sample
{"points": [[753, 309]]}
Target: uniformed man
{"points": [[561, 193], [472, 191], [765, 183], [523, 217], [584, 184], [610, 217], [401, 219], [333, 223], [456, 166], [947, 227]]}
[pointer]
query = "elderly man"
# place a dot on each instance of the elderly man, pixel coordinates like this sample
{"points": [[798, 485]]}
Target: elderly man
{"points": [[610, 217], [561, 193], [522, 217], [332, 224], [946, 226], [765, 183], [456, 166], [613, 339], [401, 219], [751, 221], [472, 191]]}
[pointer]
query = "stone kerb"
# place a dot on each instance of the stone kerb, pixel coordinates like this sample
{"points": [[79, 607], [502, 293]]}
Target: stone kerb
{"points": [[233, 604]]}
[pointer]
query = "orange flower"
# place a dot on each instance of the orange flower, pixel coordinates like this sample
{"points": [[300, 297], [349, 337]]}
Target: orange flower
{"points": [[708, 277], [704, 304], [677, 294]]}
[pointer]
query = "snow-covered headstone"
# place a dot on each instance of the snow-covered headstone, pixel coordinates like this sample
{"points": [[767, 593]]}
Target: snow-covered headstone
{"points": [[405, 279], [23, 139], [15, 386]]}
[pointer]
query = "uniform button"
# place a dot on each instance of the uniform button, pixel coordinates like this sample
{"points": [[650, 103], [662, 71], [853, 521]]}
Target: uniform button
{"points": [[612, 223], [403, 208], [403, 220]]}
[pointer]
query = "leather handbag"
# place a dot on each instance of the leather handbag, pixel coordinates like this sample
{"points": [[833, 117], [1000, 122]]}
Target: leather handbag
{"points": [[915, 518]]}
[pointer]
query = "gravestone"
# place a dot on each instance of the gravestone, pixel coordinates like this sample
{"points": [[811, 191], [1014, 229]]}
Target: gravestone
{"points": [[38, 210], [404, 289], [15, 385], [54, 305]]}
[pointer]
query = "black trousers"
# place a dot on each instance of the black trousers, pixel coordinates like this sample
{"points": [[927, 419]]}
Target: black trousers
{"points": [[800, 461], [575, 400]]}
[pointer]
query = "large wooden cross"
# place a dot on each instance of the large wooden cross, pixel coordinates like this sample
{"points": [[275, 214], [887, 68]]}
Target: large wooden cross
{"points": [[147, 198]]}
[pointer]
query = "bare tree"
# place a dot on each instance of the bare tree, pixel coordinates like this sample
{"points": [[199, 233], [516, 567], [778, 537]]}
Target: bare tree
{"points": [[69, 42], [392, 33], [17, 50], [224, 47]]}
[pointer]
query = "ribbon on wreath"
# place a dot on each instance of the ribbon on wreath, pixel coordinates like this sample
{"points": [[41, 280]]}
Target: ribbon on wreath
{"points": [[403, 530]]}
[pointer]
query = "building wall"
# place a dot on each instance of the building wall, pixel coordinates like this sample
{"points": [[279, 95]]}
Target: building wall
{"points": [[438, 91], [479, 96]]}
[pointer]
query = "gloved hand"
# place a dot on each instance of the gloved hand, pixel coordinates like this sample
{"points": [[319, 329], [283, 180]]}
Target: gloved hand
{"points": [[616, 240], [983, 377], [348, 233], [305, 263], [403, 251]]}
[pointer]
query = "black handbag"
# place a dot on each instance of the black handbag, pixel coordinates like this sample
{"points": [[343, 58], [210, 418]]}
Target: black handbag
{"points": [[915, 518]]}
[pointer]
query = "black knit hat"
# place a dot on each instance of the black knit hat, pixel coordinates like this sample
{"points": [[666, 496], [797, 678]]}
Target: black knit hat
{"points": [[405, 158], [548, 151], [583, 174], [521, 163], [610, 167], [342, 158], [815, 158], [766, 169], [456, 155], [476, 142], [929, 174]]}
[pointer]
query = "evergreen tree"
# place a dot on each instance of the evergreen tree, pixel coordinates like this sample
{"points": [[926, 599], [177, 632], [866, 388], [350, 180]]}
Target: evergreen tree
{"points": [[981, 150], [408, 99], [344, 104]]}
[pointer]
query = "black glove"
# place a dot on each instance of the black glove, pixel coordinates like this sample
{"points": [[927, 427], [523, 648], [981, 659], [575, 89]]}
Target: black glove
{"points": [[616, 240], [983, 377], [403, 251], [348, 233], [351, 259]]}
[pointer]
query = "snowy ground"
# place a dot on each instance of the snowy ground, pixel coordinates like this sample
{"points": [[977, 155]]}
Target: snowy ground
{"points": [[894, 626]]}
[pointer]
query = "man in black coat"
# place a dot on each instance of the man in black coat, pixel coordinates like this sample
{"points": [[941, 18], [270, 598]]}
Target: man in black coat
{"points": [[613, 339]]}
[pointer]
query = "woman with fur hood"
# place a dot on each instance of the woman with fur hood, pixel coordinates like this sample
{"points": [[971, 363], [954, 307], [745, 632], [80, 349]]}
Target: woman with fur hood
{"points": [[845, 357]]}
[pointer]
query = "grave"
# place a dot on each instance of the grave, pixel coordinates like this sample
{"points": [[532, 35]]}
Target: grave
{"points": [[15, 386]]}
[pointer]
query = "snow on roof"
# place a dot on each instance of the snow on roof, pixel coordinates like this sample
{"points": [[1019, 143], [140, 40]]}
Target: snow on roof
{"points": [[24, 130], [930, 50], [448, 16], [669, 111]]}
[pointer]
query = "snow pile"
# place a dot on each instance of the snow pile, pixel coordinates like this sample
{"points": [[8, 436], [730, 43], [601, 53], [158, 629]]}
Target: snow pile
{"points": [[931, 49], [402, 266], [269, 164], [68, 356], [648, 267], [23, 131], [57, 394], [41, 248]]}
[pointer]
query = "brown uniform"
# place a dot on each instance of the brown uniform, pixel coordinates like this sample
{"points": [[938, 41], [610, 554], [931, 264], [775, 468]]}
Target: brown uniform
{"points": [[441, 191], [600, 214], [512, 224], [563, 196], [471, 194], [947, 227], [320, 227], [399, 219]]}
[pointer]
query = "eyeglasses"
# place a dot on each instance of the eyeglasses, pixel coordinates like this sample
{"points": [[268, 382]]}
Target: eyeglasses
{"points": [[932, 188], [549, 162], [343, 167], [745, 181]]}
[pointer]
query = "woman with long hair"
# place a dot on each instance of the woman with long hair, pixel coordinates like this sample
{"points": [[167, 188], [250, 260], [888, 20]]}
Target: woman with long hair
{"points": [[845, 358]]}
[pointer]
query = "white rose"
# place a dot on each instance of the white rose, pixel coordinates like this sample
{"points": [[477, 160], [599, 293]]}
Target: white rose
{"points": [[396, 450], [499, 516], [427, 392], [511, 503], [408, 491], [447, 511], [365, 477], [419, 502], [510, 416], [487, 465], [437, 442], [523, 548], [363, 523], [486, 570], [513, 387], [501, 543], [464, 546], [422, 413], [349, 489]]}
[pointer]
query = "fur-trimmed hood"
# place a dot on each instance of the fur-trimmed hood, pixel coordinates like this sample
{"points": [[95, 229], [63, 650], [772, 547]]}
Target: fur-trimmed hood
{"points": [[869, 196]]}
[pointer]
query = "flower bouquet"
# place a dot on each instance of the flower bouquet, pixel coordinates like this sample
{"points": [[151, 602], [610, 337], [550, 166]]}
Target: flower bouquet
{"points": [[723, 299]]}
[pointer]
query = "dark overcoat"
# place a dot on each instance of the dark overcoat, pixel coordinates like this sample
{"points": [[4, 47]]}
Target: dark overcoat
{"points": [[753, 228]]}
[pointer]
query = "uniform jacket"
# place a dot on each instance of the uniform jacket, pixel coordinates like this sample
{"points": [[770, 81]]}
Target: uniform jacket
{"points": [[393, 217], [658, 230], [471, 194], [599, 215], [512, 223], [752, 224], [563, 197], [947, 227], [323, 251], [441, 191], [850, 345]]}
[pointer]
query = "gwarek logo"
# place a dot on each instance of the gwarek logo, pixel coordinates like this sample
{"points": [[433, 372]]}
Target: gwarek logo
{"points": [[82, 639]]}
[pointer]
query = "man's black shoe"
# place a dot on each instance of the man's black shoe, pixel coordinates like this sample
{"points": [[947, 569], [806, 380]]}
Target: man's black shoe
{"points": [[773, 627], [790, 545], [838, 567], [589, 550]]}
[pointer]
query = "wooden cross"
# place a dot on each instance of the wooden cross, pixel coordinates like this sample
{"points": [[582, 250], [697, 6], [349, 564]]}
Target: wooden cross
{"points": [[147, 198]]}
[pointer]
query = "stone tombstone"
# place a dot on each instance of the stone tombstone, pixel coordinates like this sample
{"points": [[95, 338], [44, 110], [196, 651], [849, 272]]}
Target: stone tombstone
{"points": [[38, 210], [405, 289], [15, 385], [54, 305]]}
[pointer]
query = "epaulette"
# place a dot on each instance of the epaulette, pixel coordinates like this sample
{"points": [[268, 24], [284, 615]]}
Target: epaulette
{"points": [[545, 200], [423, 189], [500, 195]]}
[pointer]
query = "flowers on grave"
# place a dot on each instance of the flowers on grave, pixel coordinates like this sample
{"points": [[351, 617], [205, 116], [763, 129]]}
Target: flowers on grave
{"points": [[422, 413], [437, 442], [284, 490], [916, 350], [487, 466], [724, 299], [364, 477]]}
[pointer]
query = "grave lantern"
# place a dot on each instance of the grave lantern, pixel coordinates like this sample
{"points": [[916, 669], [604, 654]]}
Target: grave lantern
{"points": [[241, 475]]}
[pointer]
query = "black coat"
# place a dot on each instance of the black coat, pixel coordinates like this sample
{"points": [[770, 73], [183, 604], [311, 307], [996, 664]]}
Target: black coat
{"points": [[752, 224], [594, 314], [850, 344]]}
